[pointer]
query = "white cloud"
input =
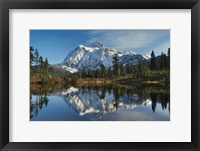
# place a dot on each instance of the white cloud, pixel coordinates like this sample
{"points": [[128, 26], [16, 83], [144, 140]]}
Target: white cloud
{"points": [[130, 39]]}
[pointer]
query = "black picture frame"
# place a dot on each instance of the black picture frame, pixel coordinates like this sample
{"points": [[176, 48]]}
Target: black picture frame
{"points": [[5, 5]]}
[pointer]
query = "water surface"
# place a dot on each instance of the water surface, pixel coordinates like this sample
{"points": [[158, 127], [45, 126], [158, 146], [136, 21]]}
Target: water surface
{"points": [[99, 103]]}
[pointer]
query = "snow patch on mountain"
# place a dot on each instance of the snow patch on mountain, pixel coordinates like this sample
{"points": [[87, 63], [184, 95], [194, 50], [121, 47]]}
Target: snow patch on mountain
{"points": [[72, 70], [146, 56], [91, 57]]}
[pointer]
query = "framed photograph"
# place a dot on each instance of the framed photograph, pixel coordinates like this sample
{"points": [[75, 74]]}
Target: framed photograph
{"points": [[99, 75]]}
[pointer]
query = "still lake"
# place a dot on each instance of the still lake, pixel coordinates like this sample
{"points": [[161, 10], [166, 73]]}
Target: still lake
{"points": [[99, 103]]}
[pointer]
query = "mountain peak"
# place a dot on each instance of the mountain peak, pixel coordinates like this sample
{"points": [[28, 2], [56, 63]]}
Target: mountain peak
{"points": [[80, 46], [90, 57], [98, 44], [127, 52]]}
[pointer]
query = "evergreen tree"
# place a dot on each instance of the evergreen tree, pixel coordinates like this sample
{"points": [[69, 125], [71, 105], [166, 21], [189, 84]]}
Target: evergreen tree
{"points": [[83, 74], [89, 73], [128, 68], [122, 70], [116, 68], [153, 65], [162, 61], [46, 65], [31, 56], [139, 69], [165, 62], [36, 58], [109, 73], [103, 70], [97, 73], [92, 73], [168, 58], [41, 63]]}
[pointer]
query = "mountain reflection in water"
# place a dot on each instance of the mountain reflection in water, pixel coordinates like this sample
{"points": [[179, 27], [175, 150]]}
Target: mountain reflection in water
{"points": [[99, 103]]}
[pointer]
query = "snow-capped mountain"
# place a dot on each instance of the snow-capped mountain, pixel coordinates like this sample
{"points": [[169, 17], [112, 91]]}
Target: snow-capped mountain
{"points": [[83, 57]]}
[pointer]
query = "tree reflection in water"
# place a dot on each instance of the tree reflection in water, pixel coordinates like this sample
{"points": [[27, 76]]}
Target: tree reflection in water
{"points": [[40, 102], [98, 98]]}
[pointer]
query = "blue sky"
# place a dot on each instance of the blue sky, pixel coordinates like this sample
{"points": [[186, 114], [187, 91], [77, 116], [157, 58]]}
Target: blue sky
{"points": [[56, 44]]}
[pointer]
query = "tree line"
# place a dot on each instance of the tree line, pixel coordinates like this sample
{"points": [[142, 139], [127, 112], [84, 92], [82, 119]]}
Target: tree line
{"points": [[156, 64], [153, 69], [164, 62]]}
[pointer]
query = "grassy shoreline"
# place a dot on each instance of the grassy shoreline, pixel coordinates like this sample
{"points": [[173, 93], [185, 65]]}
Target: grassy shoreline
{"points": [[116, 81], [99, 81], [136, 88]]}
